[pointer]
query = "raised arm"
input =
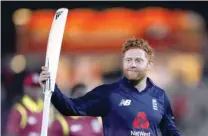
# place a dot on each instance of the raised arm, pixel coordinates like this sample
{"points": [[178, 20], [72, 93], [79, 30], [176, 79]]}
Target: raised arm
{"points": [[94, 103]]}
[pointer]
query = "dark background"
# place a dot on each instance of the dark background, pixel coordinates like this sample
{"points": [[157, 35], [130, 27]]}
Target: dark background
{"points": [[8, 30]]}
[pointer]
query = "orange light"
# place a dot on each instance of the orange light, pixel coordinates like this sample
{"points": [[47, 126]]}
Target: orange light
{"points": [[21, 16]]}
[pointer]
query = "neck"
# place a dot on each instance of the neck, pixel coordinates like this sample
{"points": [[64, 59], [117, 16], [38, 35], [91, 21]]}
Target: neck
{"points": [[141, 84]]}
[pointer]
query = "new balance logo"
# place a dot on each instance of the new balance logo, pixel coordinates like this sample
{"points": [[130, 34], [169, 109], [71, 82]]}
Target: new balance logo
{"points": [[154, 104], [58, 14], [125, 102]]}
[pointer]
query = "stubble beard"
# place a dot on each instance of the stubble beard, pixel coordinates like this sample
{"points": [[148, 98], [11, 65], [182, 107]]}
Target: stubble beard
{"points": [[140, 75]]}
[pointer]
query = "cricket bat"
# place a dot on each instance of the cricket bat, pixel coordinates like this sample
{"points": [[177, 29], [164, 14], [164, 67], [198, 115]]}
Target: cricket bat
{"points": [[51, 62]]}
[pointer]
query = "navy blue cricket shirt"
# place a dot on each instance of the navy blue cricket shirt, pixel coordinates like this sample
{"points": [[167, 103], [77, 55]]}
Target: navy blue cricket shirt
{"points": [[124, 110]]}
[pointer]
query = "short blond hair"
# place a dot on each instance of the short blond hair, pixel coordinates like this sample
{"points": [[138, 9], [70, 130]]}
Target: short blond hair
{"points": [[134, 43]]}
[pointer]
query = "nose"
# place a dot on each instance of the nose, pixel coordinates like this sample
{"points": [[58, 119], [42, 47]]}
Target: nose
{"points": [[133, 64]]}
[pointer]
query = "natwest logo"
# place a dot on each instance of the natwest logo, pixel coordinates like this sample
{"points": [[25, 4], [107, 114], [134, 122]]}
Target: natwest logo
{"points": [[141, 121], [140, 133]]}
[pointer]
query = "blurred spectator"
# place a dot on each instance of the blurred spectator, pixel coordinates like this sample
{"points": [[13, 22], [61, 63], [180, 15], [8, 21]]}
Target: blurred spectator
{"points": [[78, 91], [87, 70], [25, 117], [74, 125], [196, 118]]}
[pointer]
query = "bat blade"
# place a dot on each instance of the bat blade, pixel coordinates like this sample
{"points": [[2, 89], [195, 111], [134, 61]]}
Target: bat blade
{"points": [[51, 62]]}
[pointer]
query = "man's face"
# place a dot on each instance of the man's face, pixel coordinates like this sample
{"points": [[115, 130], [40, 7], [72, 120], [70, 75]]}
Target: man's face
{"points": [[135, 64], [33, 92]]}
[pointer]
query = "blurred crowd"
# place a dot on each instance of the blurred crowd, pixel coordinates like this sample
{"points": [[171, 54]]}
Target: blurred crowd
{"points": [[180, 69], [25, 115]]}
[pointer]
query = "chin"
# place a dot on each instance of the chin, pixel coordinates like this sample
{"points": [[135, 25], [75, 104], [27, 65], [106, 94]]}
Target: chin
{"points": [[135, 77], [132, 77]]}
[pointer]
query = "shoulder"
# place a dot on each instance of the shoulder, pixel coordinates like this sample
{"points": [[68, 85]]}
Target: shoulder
{"points": [[56, 127], [17, 108], [18, 114], [15, 112], [56, 123], [158, 92], [155, 88], [106, 88], [59, 119], [63, 124]]}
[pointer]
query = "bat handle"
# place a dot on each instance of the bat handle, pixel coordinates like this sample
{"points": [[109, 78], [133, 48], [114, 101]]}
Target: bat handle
{"points": [[46, 112], [48, 81]]}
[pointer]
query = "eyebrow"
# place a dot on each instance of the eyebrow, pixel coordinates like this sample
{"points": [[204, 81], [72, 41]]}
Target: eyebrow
{"points": [[140, 58], [134, 58]]}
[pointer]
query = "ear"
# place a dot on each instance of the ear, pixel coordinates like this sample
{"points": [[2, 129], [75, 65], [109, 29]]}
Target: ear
{"points": [[123, 56], [150, 64]]}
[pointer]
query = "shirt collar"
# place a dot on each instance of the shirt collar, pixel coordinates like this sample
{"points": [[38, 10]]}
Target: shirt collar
{"points": [[30, 104]]}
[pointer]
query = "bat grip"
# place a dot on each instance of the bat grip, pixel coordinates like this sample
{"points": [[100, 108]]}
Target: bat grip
{"points": [[48, 81], [47, 85]]}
